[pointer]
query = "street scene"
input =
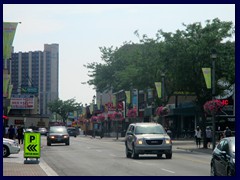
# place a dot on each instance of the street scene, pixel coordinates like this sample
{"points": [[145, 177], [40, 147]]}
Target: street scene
{"points": [[119, 90], [87, 156]]}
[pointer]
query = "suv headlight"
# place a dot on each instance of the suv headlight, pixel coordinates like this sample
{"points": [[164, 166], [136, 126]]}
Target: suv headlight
{"points": [[139, 141], [168, 141]]}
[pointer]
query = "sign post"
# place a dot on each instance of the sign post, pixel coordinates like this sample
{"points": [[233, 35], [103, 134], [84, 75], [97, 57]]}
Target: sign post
{"points": [[32, 145]]}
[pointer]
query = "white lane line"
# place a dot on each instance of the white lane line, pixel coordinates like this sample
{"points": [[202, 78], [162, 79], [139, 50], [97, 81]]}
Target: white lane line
{"points": [[99, 150], [113, 155], [168, 171], [47, 169]]}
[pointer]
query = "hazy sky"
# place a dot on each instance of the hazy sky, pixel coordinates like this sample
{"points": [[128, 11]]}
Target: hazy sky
{"points": [[80, 30]]}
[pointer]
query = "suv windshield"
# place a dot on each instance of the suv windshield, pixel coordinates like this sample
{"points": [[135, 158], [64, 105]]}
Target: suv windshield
{"points": [[149, 130], [58, 129]]}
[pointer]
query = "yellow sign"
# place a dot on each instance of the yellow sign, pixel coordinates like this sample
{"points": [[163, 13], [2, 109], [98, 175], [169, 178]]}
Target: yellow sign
{"points": [[32, 145], [159, 88], [207, 77], [9, 29]]}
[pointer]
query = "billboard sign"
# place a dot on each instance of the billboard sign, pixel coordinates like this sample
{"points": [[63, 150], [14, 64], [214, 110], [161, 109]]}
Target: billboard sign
{"points": [[22, 103]]}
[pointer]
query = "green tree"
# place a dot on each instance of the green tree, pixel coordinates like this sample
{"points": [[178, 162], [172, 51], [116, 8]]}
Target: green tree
{"points": [[180, 55], [63, 108]]}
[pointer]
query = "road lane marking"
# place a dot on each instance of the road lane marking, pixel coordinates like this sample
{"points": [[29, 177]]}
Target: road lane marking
{"points": [[168, 171], [113, 155], [47, 169], [99, 150]]}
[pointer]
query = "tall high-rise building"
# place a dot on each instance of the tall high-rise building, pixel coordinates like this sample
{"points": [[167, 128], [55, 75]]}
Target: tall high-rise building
{"points": [[36, 71]]}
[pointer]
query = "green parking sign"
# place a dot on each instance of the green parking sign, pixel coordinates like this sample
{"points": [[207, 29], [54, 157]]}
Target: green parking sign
{"points": [[32, 145]]}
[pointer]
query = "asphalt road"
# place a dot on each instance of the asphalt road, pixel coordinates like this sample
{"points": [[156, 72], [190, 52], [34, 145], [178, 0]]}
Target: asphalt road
{"points": [[105, 157]]}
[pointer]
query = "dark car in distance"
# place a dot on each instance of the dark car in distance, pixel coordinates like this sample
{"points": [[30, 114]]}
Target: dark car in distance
{"points": [[58, 134], [223, 158], [43, 131], [147, 138], [72, 131]]}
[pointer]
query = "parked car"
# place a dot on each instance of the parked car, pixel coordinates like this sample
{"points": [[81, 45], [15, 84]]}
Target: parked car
{"points": [[58, 134], [147, 138], [10, 147], [28, 130], [223, 158], [72, 131], [43, 131]]}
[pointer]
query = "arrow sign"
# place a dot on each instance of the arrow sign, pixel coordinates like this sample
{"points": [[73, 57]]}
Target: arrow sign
{"points": [[32, 147]]}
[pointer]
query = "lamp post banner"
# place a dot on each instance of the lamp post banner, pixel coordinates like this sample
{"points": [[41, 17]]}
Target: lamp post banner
{"points": [[207, 76], [159, 88], [128, 97], [9, 29]]}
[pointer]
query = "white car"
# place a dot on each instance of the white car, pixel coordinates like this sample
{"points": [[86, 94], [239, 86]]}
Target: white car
{"points": [[10, 147]]}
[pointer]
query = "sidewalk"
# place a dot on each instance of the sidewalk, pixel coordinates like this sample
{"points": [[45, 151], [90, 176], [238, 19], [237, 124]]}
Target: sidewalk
{"points": [[14, 164], [190, 145]]}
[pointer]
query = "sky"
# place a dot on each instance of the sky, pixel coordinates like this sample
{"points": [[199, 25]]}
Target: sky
{"points": [[80, 29]]}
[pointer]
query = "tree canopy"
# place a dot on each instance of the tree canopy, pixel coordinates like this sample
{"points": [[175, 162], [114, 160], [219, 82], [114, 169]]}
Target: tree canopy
{"points": [[63, 107], [180, 56]]}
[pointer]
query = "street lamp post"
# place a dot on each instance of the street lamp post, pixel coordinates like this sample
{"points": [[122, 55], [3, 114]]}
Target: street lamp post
{"points": [[93, 102], [213, 57], [163, 88], [163, 96]]}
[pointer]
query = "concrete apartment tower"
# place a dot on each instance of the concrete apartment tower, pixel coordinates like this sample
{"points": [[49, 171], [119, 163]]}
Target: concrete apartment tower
{"points": [[38, 69]]}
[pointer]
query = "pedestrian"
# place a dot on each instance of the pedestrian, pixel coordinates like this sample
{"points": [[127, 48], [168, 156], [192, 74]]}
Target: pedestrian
{"points": [[3, 131], [169, 132], [20, 135], [227, 132], [101, 131], [219, 133], [198, 135], [6, 131], [208, 136], [11, 132]]}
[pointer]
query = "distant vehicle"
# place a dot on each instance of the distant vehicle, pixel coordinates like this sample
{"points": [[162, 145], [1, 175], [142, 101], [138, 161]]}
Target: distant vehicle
{"points": [[10, 147], [147, 138], [223, 158], [43, 131], [28, 130], [72, 131], [58, 134]]}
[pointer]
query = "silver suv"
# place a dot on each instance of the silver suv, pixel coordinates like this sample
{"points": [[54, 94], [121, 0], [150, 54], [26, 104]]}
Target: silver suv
{"points": [[147, 138]]}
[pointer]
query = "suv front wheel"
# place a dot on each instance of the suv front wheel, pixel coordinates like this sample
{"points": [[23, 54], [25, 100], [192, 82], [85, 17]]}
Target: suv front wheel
{"points": [[169, 156]]}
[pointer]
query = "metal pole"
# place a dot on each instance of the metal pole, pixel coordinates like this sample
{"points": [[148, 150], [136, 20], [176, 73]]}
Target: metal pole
{"points": [[163, 88], [117, 128], [213, 94]]}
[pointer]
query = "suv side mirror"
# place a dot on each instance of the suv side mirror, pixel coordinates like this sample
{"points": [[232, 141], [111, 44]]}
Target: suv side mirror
{"points": [[129, 133]]}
